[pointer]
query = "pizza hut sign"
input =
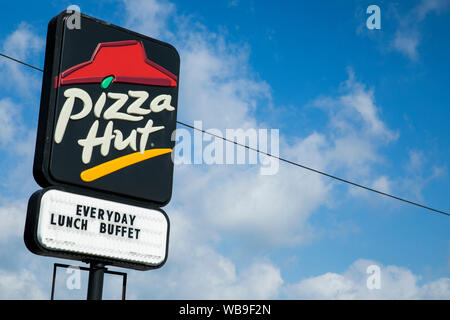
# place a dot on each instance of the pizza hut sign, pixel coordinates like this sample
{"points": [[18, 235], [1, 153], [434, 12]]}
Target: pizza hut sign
{"points": [[117, 109], [108, 110]]}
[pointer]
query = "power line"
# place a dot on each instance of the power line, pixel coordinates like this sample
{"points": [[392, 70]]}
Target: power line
{"points": [[285, 160], [317, 171], [24, 63]]}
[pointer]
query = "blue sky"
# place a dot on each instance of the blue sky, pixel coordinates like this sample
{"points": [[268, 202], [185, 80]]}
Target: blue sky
{"points": [[367, 105]]}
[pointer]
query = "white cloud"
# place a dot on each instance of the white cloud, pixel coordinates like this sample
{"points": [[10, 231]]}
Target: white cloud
{"points": [[430, 6], [12, 216], [356, 131], [22, 44], [216, 86], [406, 42], [327, 286], [205, 274], [382, 184], [269, 210], [15, 137], [20, 285], [439, 289], [407, 37], [196, 271], [395, 283], [419, 173], [149, 16], [10, 126], [359, 101], [17, 143]]}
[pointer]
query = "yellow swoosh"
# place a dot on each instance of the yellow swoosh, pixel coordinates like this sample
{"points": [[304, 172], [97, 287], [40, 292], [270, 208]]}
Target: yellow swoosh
{"points": [[119, 163]]}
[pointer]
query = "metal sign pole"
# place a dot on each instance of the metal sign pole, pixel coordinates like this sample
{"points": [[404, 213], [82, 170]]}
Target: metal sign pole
{"points": [[95, 285]]}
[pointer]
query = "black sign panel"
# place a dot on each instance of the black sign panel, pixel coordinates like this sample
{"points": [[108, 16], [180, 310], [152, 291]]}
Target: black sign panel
{"points": [[108, 110]]}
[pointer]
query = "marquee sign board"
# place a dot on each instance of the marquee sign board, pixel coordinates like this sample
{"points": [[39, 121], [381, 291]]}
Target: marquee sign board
{"points": [[108, 110], [76, 226]]}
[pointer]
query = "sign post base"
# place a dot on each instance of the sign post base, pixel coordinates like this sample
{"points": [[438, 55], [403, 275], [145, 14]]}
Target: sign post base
{"points": [[66, 266]]}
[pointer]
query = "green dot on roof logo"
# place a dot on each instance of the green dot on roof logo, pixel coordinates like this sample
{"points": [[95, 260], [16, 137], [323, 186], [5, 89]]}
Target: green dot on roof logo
{"points": [[106, 82]]}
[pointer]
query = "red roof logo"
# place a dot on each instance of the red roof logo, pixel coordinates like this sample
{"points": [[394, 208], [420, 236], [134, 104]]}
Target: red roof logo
{"points": [[125, 61]]}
